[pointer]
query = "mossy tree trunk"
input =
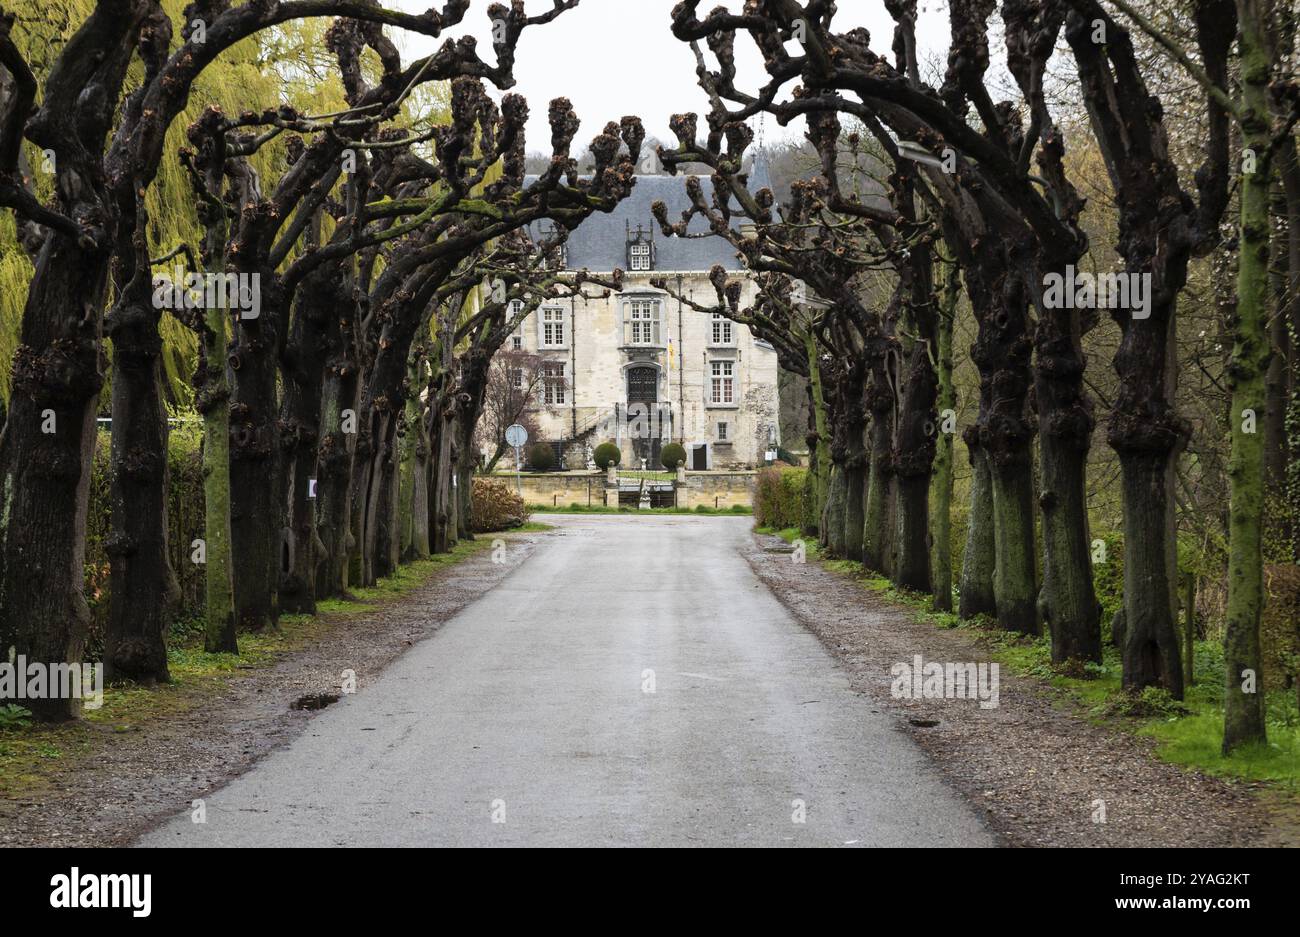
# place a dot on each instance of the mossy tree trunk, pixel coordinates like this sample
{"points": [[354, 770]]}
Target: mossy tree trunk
{"points": [[212, 400], [940, 529], [820, 451], [978, 555], [1244, 716], [877, 531]]}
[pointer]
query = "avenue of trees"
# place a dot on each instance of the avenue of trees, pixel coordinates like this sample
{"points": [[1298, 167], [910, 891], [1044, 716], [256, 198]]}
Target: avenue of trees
{"points": [[933, 192], [375, 263], [1009, 248]]}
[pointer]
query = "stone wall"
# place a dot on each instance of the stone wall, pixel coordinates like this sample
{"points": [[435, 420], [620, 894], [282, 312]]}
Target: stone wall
{"points": [[561, 489], [718, 489]]}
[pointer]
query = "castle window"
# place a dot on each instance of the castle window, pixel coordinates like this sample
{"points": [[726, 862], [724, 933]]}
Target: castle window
{"points": [[721, 330], [552, 326], [640, 254], [722, 432], [553, 377], [642, 323], [517, 336], [640, 248], [722, 382]]}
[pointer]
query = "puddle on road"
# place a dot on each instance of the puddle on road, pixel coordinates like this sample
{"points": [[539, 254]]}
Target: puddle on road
{"points": [[314, 701]]}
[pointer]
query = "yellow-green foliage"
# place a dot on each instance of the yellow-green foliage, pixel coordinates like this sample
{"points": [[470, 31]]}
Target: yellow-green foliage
{"points": [[287, 65]]}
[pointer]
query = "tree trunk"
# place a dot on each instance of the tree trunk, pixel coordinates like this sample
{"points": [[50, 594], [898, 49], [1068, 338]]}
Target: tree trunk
{"points": [[1067, 602], [144, 591], [444, 512], [855, 475], [335, 459], [45, 464], [1015, 588], [912, 463], [940, 530], [979, 555], [256, 511], [1243, 716], [819, 455], [1002, 354], [213, 401], [833, 516], [876, 539]]}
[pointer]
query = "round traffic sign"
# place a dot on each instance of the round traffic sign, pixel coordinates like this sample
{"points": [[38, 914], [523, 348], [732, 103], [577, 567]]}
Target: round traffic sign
{"points": [[516, 435]]}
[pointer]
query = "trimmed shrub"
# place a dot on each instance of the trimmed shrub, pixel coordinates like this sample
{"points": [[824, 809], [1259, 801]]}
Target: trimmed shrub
{"points": [[779, 498], [541, 458], [672, 455], [606, 454], [496, 506]]}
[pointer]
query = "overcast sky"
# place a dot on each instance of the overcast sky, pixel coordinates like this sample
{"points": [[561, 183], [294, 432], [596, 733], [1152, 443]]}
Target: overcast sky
{"points": [[617, 57]]}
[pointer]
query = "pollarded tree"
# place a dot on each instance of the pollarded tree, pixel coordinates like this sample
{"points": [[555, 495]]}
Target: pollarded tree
{"points": [[1161, 228], [830, 243], [96, 219], [1008, 235], [1265, 106]]}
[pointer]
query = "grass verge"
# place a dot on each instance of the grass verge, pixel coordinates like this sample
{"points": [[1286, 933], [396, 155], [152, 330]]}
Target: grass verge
{"points": [[31, 754]]}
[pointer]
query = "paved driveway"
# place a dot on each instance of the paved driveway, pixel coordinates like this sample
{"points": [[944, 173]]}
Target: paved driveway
{"points": [[631, 683]]}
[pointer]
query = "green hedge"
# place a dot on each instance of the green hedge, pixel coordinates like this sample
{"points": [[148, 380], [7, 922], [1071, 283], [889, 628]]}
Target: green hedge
{"points": [[779, 498]]}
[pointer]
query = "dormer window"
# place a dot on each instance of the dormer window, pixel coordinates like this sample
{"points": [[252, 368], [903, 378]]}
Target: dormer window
{"points": [[640, 249], [557, 258]]}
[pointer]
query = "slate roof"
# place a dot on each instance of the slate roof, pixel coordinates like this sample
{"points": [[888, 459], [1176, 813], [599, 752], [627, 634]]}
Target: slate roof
{"points": [[600, 243]]}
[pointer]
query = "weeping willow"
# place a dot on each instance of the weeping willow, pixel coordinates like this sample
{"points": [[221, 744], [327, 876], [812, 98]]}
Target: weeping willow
{"points": [[289, 65]]}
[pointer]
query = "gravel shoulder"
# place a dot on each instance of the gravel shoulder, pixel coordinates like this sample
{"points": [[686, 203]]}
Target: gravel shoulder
{"points": [[1034, 765], [117, 784]]}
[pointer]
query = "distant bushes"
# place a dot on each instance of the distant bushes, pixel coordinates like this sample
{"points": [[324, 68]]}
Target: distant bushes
{"points": [[541, 458], [779, 498], [496, 507]]}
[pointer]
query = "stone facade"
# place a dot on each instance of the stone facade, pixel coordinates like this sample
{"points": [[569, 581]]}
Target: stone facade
{"points": [[639, 369], [593, 489]]}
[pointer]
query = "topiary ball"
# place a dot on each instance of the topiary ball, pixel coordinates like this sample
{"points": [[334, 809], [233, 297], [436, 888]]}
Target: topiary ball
{"points": [[672, 455], [607, 454]]}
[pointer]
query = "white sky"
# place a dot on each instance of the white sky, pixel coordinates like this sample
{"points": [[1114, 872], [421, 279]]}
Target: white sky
{"points": [[617, 57]]}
